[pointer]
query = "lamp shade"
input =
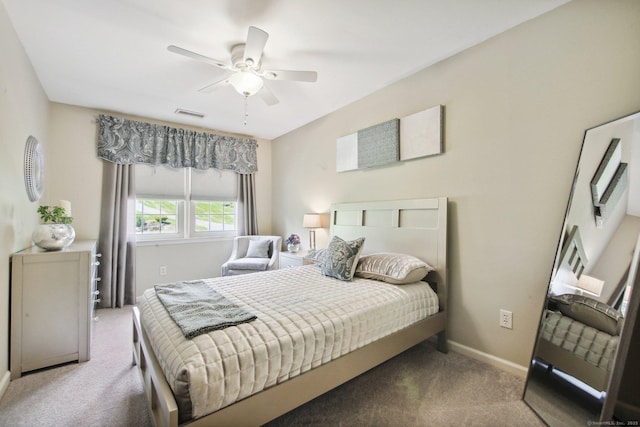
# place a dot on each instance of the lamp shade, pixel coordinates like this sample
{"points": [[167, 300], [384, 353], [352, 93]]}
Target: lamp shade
{"points": [[591, 285], [311, 220]]}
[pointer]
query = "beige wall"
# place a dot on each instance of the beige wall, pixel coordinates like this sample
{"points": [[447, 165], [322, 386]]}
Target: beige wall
{"points": [[517, 107], [76, 171], [23, 112]]}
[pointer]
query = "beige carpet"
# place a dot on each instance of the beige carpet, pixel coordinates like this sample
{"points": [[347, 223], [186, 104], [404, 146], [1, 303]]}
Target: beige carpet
{"points": [[105, 391], [421, 387], [418, 388]]}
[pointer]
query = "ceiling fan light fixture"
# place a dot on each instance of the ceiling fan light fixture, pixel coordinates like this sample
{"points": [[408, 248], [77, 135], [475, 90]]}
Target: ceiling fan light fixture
{"points": [[246, 64], [246, 83]]}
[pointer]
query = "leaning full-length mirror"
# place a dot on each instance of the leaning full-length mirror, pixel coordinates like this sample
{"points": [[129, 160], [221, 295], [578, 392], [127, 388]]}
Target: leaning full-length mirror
{"points": [[583, 368]]}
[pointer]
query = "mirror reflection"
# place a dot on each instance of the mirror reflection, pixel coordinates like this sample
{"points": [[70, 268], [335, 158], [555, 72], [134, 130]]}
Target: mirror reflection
{"points": [[588, 319]]}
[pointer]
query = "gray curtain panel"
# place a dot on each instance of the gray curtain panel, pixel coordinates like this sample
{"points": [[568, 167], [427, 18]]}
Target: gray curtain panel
{"points": [[125, 141], [117, 241], [247, 212]]}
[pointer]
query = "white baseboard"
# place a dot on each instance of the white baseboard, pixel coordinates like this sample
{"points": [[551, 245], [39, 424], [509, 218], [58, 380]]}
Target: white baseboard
{"points": [[4, 383], [497, 362]]}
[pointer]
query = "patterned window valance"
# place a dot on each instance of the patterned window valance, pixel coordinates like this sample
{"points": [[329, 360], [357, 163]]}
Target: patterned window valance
{"points": [[125, 141]]}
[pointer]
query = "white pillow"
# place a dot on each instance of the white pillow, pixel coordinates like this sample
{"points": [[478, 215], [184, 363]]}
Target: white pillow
{"points": [[258, 249], [389, 267]]}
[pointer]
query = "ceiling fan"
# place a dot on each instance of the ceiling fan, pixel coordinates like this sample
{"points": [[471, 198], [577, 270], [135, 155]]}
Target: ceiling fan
{"points": [[246, 65]]}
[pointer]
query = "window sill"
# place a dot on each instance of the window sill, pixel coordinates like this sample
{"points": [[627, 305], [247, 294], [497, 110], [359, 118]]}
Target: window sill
{"points": [[182, 241]]}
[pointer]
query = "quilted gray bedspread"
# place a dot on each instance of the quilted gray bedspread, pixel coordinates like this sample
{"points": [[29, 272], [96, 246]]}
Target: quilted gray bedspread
{"points": [[304, 319], [587, 343]]}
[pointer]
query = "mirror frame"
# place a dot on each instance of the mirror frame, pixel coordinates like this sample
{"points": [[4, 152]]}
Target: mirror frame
{"points": [[33, 169], [615, 378]]}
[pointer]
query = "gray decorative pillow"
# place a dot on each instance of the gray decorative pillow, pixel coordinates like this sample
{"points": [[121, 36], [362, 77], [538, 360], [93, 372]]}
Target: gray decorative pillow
{"points": [[317, 256], [398, 269], [590, 312], [341, 258], [258, 249]]}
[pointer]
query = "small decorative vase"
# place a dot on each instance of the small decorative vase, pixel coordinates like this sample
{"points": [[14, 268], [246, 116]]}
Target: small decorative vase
{"points": [[293, 248], [53, 237]]}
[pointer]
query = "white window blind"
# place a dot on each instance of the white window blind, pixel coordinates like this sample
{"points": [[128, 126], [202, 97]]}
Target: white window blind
{"points": [[213, 184], [161, 182]]}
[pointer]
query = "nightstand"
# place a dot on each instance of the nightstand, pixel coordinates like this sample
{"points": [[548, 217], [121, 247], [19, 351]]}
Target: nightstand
{"points": [[298, 259]]}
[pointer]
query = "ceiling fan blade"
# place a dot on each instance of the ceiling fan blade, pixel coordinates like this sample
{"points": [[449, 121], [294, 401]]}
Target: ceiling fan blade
{"points": [[267, 96], [198, 57], [256, 40], [300, 76], [214, 86]]}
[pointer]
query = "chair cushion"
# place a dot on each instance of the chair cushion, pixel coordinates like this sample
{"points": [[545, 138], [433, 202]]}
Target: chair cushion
{"points": [[259, 264], [258, 249]]}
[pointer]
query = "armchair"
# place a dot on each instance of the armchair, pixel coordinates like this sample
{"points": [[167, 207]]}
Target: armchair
{"points": [[252, 254]]}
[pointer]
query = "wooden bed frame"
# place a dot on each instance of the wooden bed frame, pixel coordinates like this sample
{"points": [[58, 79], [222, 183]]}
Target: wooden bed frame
{"points": [[558, 358], [417, 227]]}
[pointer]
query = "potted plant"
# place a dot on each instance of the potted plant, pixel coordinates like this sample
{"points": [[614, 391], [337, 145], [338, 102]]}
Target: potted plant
{"points": [[55, 232]]}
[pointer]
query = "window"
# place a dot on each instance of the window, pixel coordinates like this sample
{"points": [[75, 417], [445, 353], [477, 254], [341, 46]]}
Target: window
{"points": [[214, 216], [184, 203], [154, 217]]}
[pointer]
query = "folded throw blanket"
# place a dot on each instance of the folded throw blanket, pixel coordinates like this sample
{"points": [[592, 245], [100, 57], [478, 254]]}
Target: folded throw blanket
{"points": [[198, 309]]}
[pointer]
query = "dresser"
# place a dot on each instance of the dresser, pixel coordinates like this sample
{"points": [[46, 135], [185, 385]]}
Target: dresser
{"points": [[53, 296]]}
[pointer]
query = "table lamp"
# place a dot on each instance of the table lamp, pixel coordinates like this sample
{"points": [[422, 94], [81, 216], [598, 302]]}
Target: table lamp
{"points": [[312, 221]]}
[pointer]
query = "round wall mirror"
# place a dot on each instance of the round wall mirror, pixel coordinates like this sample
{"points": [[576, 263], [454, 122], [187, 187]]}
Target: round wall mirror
{"points": [[33, 169]]}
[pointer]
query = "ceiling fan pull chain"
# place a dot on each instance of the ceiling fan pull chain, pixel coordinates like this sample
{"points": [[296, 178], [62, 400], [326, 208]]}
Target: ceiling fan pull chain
{"points": [[246, 112]]}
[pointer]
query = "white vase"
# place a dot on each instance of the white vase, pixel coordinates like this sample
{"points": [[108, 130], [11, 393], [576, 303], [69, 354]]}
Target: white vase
{"points": [[293, 248], [53, 237]]}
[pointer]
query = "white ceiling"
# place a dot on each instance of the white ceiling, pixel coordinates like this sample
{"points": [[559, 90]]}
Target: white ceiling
{"points": [[111, 54]]}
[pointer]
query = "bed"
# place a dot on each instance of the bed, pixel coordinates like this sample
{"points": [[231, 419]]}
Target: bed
{"points": [[414, 227], [585, 352], [579, 335]]}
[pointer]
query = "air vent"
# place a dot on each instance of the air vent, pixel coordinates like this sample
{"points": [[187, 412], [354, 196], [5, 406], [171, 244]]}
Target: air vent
{"points": [[189, 113]]}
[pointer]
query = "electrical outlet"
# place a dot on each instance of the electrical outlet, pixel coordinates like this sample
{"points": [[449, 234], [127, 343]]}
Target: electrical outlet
{"points": [[506, 319], [163, 270]]}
